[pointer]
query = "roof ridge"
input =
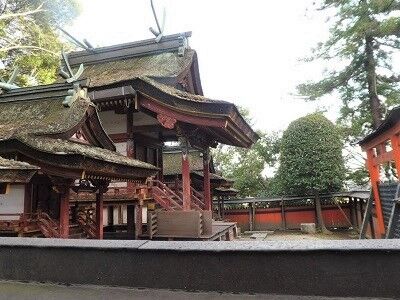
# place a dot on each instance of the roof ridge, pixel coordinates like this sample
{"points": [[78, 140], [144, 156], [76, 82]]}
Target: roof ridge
{"points": [[169, 43], [39, 92]]}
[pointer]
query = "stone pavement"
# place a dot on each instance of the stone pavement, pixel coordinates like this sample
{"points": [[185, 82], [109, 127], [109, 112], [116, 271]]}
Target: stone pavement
{"points": [[21, 291]]}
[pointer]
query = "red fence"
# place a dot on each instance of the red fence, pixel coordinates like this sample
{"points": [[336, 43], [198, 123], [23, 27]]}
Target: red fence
{"points": [[272, 218]]}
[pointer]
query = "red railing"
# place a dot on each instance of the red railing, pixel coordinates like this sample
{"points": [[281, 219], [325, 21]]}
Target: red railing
{"points": [[166, 197], [25, 223], [86, 221], [47, 225]]}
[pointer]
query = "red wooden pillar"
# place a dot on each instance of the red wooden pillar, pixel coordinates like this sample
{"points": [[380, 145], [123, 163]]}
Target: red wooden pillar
{"points": [[373, 170], [64, 212], [99, 214], [206, 180], [186, 177], [138, 219]]}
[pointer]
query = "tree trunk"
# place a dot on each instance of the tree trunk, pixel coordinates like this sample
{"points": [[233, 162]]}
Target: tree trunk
{"points": [[370, 69], [318, 212]]}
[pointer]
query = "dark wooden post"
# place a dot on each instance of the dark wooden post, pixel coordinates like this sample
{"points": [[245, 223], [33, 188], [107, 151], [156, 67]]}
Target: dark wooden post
{"points": [[110, 215], [130, 220], [102, 186], [353, 213], [186, 175], [120, 215], [28, 198], [99, 215], [206, 180], [138, 219], [283, 215], [130, 144], [219, 207], [223, 208], [252, 215]]}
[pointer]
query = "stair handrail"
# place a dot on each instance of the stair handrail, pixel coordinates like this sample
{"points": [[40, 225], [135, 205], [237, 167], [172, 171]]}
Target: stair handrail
{"points": [[164, 188], [47, 225], [198, 200], [86, 221]]}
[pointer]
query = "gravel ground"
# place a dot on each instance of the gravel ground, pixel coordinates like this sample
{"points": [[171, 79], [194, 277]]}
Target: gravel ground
{"points": [[297, 235]]}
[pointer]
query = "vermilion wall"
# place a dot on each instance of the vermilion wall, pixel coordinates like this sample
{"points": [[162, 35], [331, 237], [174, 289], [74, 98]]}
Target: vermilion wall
{"points": [[271, 218]]}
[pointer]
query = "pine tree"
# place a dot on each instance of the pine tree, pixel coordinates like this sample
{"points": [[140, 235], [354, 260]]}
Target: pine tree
{"points": [[364, 36]]}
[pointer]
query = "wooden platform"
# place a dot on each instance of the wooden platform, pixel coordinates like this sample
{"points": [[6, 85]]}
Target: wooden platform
{"points": [[221, 231]]}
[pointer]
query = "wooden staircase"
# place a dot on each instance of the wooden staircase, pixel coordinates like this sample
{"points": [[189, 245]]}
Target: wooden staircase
{"points": [[173, 200]]}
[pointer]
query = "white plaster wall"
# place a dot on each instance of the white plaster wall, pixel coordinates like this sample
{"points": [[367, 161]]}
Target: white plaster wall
{"points": [[13, 202], [121, 148], [115, 212], [112, 122]]}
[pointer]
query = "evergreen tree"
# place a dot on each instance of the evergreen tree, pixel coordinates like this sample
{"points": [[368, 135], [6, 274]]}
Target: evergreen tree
{"points": [[364, 35], [246, 166], [29, 39], [311, 159]]}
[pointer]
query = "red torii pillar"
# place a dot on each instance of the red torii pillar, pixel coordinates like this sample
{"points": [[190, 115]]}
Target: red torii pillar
{"points": [[375, 147]]}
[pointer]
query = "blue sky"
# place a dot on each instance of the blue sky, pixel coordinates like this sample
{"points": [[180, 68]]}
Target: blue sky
{"points": [[248, 50]]}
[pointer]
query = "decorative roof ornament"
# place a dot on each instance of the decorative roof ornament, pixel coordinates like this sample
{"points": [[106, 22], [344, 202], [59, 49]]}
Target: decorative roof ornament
{"points": [[73, 94], [69, 75], [160, 32], [85, 45], [9, 85]]}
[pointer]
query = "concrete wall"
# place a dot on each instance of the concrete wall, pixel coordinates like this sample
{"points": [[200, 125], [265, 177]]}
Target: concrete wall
{"points": [[330, 268]]}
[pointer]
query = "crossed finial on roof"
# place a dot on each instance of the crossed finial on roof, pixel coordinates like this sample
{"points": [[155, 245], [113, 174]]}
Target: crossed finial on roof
{"points": [[9, 84], [160, 32], [69, 75]]}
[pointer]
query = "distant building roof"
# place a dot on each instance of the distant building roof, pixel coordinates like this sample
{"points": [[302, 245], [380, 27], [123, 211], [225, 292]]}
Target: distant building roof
{"points": [[15, 171]]}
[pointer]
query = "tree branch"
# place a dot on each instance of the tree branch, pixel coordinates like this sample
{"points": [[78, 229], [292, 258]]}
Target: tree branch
{"points": [[22, 14], [6, 49], [391, 79]]}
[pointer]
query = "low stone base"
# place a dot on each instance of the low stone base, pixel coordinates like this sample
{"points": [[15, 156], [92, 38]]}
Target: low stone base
{"points": [[308, 228]]}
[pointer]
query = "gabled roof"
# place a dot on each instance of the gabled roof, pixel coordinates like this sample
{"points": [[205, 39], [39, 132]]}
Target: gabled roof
{"points": [[36, 123], [167, 60], [166, 73], [39, 110]]}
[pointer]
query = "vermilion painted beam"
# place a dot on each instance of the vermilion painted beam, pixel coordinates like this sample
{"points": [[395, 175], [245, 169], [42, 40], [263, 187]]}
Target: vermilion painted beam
{"points": [[186, 180], [99, 215], [374, 175], [383, 157], [382, 137], [396, 152], [206, 178], [207, 121], [64, 213]]}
